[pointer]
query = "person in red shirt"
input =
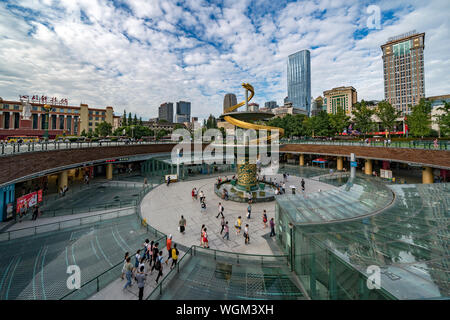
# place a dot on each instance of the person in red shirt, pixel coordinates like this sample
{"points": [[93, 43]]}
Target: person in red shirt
{"points": [[169, 247]]}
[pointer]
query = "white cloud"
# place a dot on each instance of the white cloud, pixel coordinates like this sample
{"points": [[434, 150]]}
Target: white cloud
{"points": [[196, 51]]}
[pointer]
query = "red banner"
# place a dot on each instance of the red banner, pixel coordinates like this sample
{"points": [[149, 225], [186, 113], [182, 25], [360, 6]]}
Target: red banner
{"points": [[29, 200]]}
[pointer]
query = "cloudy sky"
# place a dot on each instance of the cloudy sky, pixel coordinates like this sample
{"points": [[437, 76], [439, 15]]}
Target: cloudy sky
{"points": [[137, 54]]}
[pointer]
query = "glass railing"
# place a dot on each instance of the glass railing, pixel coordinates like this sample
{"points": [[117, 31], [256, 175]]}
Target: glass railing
{"points": [[219, 256], [14, 148], [414, 144]]}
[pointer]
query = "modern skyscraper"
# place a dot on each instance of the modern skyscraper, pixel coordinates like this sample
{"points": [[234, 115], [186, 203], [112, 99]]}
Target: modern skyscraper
{"points": [[299, 80], [166, 112], [404, 82], [229, 100], [183, 112]]}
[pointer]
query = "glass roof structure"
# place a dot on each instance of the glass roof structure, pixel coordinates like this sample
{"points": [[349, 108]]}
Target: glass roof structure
{"points": [[359, 197], [409, 241]]}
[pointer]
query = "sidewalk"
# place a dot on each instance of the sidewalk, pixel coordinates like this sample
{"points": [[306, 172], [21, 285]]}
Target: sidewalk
{"points": [[115, 291]]}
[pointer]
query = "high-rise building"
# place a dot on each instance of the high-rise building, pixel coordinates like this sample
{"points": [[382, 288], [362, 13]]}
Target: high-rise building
{"points": [[299, 80], [183, 113], [270, 105], [404, 82], [165, 112], [340, 97], [229, 100]]}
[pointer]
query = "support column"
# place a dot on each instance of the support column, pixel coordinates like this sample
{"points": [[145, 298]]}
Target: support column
{"points": [[427, 175], [368, 167], [62, 180], [109, 171], [302, 159], [340, 164]]}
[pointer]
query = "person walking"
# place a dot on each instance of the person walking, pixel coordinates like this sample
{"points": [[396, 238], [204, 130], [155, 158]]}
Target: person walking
{"points": [[168, 180], [227, 231], [175, 254], [303, 184], [155, 256], [220, 210], [202, 206], [169, 248], [201, 196], [124, 265], [159, 265], [265, 219], [249, 210], [272, 227], [222, 223], [238, 225], [129, 273], [201, 235], [141, 276], [205, 239], [35, 213], [147, 249], [246, 235], [150, 252], [182, 224]]}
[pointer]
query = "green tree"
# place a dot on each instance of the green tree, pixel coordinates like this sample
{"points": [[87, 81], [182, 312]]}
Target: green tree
{"points": [[135, 120], [318, 125], [104, 129], [339, 121], [179, 126], [211, 122], [124, 119], [140, 121], [161, 133], [387, 115], [130, 120], [443, 120], [83, 133], [363, 117], [419, 120]]}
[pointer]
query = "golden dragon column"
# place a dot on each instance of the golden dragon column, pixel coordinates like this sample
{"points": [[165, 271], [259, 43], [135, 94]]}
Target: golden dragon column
{"points": [[246, 170]]}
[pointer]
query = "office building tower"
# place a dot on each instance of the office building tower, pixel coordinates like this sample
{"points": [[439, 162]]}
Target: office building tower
{"points": [[270, 105], [403, 62], [166, 112], [183, 112], [299, 80]]}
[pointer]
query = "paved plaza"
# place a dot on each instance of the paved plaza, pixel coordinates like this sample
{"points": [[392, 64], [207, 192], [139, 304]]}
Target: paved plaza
{"points": [[164, 205]]}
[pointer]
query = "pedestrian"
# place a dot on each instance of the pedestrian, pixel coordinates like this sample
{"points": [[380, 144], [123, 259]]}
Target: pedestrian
{"points": [[246, 236], [283, 187], [193, 194], [238, 225], [147, 249], [303, 184], [205, 239], [201, 196], [169, 247], [249, 210], [159, 265], [220, 210], [168, 180], [250, 197], [35, 213], [222, 223], [175, 254], [124, 265], [129, 272], [227, 231], [145, 183], [203, 207], [182, 224], [265, 219], [155, 256], [150, 252], [272, 227], [141, 276], [201, 235]]}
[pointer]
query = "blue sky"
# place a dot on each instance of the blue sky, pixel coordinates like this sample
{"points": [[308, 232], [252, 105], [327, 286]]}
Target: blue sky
{"points": [[137, 54]]}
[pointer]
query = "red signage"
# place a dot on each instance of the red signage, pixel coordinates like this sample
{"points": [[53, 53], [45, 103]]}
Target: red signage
{"points": [[29, 200], [44, 99]]}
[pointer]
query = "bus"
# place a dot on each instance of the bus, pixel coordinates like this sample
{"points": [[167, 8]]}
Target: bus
{"points": [[22, 139]]}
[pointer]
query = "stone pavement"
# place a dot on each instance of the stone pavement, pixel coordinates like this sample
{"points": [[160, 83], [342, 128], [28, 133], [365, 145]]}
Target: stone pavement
{"points": [[115, 290], [164, 205]]}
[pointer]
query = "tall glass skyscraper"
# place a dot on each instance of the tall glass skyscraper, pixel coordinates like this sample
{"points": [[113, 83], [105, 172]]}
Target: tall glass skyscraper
{"points": [[299, 80]]}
